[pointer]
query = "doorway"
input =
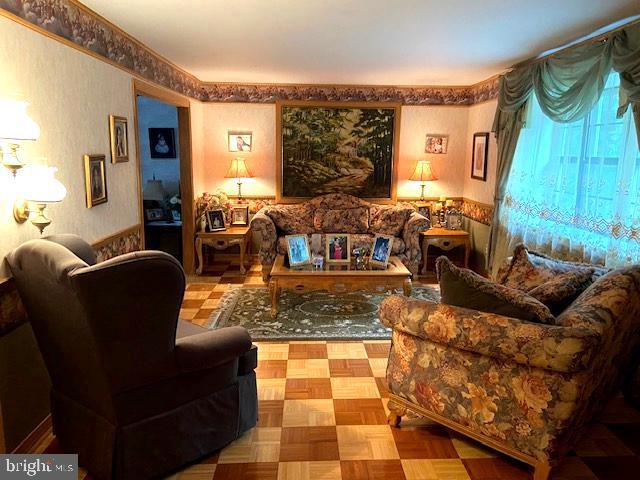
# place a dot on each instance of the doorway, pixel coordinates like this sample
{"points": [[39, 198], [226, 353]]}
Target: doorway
{"points": [[163, 141]]}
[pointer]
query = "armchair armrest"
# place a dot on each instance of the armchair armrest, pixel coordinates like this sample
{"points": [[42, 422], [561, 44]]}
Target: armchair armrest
{"points": [[263, 224], [557, 348], [415, 224], [210, 349]]}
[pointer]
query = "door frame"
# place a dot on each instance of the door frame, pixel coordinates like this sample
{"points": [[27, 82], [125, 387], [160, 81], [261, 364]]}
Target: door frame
{"points": [[183, 106]]}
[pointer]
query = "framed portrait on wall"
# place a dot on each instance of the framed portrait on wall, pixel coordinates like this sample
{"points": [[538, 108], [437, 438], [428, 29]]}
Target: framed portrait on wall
{"points": [[479, 156], [239, 141], [162, 142], [336, 147], [95, 178], [119, 139], [436, 144]]}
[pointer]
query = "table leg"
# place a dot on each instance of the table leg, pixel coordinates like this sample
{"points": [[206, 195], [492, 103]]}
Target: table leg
{"points": [[407, 287], [199, 252], [243, 246], [274, 290]]}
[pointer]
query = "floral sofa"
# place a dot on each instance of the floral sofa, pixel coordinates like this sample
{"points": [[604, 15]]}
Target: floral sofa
{"points": [[340, 213], [523, 388]]}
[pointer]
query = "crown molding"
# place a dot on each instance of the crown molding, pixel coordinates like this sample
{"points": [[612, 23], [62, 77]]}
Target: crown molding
{"points": [[75, 25]]}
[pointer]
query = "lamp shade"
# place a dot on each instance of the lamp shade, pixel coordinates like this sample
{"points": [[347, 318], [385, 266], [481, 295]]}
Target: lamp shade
{"points": [[15, 124], [238, 169], [38, 184], [423, 172], [154, 190]]}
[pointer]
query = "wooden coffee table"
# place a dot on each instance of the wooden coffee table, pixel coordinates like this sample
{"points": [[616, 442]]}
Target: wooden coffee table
{"points": [[336, 278]]}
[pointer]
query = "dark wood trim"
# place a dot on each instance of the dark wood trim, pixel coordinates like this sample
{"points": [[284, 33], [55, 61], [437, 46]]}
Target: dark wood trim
{"points": [[35, 437]]}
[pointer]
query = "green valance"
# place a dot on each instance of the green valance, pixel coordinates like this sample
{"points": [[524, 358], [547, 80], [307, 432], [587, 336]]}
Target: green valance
{"points": [[568, 83]]}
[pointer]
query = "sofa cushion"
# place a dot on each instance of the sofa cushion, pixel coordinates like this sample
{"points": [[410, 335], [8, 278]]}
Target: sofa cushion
{"points": [[388, 219], [358, 240], [348, 220], [561, 290], [291, 219], [463, 288]]}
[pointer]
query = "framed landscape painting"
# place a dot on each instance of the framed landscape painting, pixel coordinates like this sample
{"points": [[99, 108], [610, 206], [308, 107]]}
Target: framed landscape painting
{"points": [[337, 147]]}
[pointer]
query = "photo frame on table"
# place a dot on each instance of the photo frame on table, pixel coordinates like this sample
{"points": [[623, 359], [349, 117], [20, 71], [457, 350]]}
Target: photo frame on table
{"points": [[338, 248], [298, 250], [162, 142], [239, 141], [239, 215], [215, 220], [119, 139], [381, 251], [479, 156], [95, 179], [436, 144], [154, 214]]}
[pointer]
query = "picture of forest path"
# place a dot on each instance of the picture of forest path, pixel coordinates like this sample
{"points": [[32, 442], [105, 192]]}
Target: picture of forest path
{"points": [[337, 150]]}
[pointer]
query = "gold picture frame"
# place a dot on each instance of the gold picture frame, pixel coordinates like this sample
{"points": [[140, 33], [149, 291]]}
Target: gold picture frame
{"points": [[381, 251], [95, 178], [344, 246], [239, 215], [119, 139]]}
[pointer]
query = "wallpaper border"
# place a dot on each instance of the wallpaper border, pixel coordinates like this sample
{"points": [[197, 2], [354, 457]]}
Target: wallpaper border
{"points": [[78, 26]]}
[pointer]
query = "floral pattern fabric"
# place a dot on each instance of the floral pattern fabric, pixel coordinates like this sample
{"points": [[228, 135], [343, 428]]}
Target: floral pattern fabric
{"points": [[562, 289], [275, 221], [531, 387], [348, 220], [517, 303], [389, 220]]}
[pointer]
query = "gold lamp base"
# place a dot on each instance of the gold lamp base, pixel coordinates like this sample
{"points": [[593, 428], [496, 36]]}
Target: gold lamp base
{"points": [[21, 212], [10, 159]]}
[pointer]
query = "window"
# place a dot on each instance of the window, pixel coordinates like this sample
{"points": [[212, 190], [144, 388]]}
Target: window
{"points": [[576, 186]]}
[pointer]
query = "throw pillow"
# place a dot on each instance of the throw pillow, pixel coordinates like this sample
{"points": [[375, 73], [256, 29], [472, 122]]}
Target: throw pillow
{"points": [[559, 292], [292, 219], [348, 220], [522, 274], [463, 288], [388, 219]]}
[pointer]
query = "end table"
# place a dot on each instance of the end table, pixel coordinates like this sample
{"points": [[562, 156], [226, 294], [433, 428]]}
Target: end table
{"points": [[445, 239], [224, 239]]}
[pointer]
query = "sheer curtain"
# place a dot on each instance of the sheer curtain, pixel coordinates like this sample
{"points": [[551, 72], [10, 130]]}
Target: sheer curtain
{"points": [[574, 188]]}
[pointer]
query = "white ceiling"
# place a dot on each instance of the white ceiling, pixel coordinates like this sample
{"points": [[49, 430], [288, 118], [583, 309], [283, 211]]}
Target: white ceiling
{"points": [[380, 42]]}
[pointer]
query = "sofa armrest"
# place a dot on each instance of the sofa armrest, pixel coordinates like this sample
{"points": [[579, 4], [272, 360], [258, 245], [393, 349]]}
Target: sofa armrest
{"points": [[415, 224], [210, 349], [556, 348], [263, 224]]}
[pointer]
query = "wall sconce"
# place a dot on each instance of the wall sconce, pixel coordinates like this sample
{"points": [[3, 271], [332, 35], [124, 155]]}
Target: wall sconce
{"points": [[15, 127], [238, 170], [423, 174], [38, 187]]}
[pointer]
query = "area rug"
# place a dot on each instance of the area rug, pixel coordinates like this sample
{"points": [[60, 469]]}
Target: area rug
{"points": [[307, 316]]}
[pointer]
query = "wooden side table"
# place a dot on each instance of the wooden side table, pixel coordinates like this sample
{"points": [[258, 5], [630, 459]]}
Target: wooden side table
{"points": [[446, 240], [222, 240]]}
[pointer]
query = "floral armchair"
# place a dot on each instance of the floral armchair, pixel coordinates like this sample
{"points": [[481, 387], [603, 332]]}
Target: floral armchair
{"points": [[340, 213], [525, 389]]}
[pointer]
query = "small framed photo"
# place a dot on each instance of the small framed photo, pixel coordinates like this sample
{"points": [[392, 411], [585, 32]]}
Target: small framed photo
{"points": [[436, 144], [176, 215], [95, 179], [119, 136], [215, 220], [479, 156], [153, 214], [424, 209], [162, 142], [381, 251], [338, 248], [298, 249], [240, 141], [240, 215]]}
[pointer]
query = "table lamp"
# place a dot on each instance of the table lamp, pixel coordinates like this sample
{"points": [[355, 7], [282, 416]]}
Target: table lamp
{"points": [[238, 170], [154, 190], [423, 174], [15, 127], [38, 187]]}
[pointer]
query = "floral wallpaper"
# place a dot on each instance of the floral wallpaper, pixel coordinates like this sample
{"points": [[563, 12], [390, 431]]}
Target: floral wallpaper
{"points": [[73, 21], [128, 241]]}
